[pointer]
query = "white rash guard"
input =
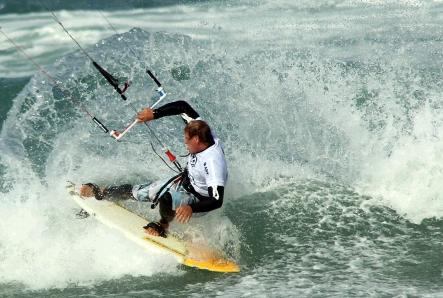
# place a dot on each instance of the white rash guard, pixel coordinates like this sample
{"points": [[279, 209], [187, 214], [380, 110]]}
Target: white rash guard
{"points": [[208, 169]]}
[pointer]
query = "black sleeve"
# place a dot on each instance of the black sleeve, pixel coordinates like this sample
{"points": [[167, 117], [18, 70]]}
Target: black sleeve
{"points": [[175, 108], [214, 201]]}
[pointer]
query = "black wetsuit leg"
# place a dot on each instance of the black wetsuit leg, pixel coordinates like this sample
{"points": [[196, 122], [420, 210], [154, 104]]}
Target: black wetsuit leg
{"points": [[118, 192], [166, 212]]}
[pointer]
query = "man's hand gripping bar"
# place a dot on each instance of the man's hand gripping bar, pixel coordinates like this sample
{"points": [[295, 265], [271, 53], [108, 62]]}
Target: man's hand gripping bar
{"points": [[160, 92]]}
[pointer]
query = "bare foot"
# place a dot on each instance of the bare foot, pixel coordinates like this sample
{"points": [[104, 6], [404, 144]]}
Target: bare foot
{"points": [[87, 191], [154, 232]]}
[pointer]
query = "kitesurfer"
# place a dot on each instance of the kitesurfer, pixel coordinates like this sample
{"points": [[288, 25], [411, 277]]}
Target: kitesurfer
{"points": [[197, 190]]}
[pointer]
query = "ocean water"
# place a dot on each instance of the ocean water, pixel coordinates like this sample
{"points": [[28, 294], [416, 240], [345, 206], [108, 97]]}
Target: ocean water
{"points": [[331, 116]]}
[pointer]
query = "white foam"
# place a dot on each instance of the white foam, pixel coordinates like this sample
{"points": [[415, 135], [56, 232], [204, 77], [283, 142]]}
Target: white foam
{"points": [[39, 230], [267, 23], [410, 179]]}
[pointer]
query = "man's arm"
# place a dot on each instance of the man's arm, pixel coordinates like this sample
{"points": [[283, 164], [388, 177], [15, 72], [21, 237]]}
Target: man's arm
{"points": [[214, 201], [206, 204], [169, 109]]}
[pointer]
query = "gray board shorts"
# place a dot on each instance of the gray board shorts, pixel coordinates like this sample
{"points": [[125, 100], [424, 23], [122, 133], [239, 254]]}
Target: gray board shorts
{"points": [[146, 193]]}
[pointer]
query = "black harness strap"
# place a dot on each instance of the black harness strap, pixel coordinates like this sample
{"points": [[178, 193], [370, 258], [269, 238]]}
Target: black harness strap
{"points": [[167, 184]]}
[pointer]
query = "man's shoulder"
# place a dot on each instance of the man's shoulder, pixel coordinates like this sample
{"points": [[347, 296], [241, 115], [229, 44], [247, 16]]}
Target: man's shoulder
{"points": [[214, 150]]}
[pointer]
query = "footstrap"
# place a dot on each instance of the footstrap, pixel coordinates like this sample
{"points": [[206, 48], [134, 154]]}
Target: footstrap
{"points": [[157, 227]]}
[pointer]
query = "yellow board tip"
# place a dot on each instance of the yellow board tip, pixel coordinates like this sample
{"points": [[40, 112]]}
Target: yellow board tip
{"points": [[216, 265]]}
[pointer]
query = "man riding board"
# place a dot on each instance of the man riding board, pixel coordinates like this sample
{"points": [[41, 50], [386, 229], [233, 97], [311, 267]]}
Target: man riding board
{"points": [[199, 189]]}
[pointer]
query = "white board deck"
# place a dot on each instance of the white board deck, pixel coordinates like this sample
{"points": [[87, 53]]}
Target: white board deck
{"points": [[131, 226]]}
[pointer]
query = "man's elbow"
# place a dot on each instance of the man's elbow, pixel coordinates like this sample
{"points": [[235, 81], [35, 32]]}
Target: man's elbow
{"points": [[218, 203]]}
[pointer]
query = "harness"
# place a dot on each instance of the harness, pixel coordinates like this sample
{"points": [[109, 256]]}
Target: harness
{"points": [[179, 180]]}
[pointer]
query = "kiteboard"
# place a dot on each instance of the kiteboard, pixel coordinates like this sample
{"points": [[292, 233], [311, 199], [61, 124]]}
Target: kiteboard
{"points": [[131, 226]]}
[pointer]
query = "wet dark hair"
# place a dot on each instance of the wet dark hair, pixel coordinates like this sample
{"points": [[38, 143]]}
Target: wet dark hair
{"points": [[200, 129]]}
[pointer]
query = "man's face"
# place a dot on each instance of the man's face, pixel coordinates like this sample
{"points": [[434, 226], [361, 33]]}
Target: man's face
{"points": [[192, 144]]}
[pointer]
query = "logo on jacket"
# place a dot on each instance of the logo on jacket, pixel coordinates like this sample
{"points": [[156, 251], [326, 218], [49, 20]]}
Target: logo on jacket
{"points": [[206, 168], [193, 160]]}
